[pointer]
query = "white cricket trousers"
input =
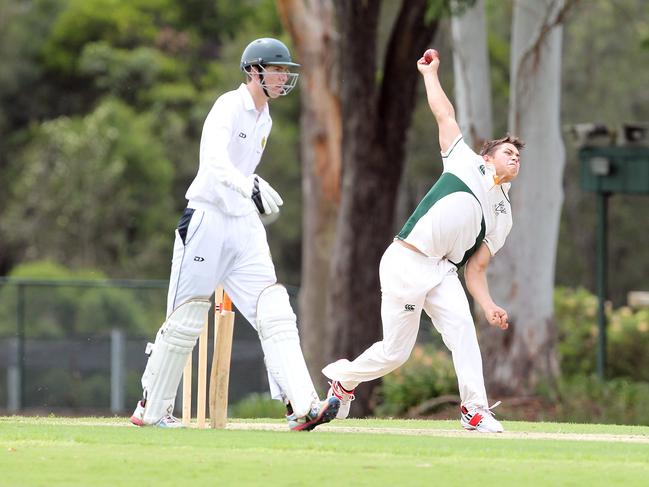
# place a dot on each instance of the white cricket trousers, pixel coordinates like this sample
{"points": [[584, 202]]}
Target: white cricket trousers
{"points": [[410, 282], [215, 248]]}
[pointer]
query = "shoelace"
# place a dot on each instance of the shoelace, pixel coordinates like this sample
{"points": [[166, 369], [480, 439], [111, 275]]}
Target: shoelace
{"points": [[169, 418], [493, 406]]}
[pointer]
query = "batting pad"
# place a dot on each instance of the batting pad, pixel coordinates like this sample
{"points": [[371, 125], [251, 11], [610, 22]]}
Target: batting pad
{"points": [[174, 342], [277, 328]]}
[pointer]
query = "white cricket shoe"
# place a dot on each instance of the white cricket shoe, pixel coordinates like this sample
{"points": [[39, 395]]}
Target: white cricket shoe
{"points": [[137, 418], [346, 397], [167, 421], [480, 419]]}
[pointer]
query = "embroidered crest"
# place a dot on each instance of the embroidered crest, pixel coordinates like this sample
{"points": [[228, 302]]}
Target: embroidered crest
{"points": [[500, 208]]}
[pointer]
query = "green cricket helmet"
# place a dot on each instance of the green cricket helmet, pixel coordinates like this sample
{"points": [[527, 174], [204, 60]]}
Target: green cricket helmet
{"points": [[269, 52]]}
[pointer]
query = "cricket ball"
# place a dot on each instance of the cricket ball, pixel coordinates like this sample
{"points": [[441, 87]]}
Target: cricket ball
{"points": [[429, 55]]}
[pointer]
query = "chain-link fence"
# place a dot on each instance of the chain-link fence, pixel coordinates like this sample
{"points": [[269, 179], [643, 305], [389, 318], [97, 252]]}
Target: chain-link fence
{"points": [[77, 346]]}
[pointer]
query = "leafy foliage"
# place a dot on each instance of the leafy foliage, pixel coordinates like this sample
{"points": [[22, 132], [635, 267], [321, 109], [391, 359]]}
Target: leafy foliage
{"points": [[576, 318], [627, 337], [428, 373], [63, 311], [122, 24], [128, 72], [590, 400], [91, 189], [257, 405], [103, 101], [24, 29]]}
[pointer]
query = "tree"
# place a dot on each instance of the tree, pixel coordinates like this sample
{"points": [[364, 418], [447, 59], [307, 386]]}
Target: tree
{"points": [[376, 112], [168, 61], [597, 49], [471, 73], [92, 192], [523, 357], [312, 28]]}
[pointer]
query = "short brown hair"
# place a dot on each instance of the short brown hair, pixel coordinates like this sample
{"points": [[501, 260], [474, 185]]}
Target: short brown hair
{"points": [[490, 146]]}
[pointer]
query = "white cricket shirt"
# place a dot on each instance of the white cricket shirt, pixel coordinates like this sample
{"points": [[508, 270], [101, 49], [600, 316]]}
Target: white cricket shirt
{"points": [[233, 140], [464, 208]]}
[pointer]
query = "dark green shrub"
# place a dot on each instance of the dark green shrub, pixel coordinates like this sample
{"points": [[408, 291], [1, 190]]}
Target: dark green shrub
{"points": [[50, 312], [67, 388], [55, 311], [428, 373], [575, 312], [257, 405], [627, 337], [101, 309], [587, 399], [628, 344]]}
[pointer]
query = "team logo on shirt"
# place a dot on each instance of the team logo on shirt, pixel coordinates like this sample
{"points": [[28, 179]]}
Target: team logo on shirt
{"points": [[242, 135], [409, 307], [500, 208], [483, 170], [263, 142]]}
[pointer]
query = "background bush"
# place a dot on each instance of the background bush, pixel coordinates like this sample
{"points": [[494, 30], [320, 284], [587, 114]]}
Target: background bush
{"points": [[257, 405], [627, 337], [428, 373], [587, 399], [67, 311]]}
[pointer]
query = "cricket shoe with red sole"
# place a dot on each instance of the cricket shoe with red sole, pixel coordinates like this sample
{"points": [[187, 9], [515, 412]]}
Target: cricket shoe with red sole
{"points": [[167, 421], [345, 396], [137, 418], [322, 413], [480, 419]]}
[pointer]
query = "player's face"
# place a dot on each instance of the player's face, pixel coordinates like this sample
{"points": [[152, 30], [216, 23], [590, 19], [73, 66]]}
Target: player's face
{"points": [[507, 161], [275, 79]]}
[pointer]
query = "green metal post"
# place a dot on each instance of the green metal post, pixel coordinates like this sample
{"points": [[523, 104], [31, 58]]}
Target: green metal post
{"points": [[20, 329], [602, 278]]}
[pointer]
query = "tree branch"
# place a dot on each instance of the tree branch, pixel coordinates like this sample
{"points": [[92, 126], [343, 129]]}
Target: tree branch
{"points": [[531, 56], [410, 36]]}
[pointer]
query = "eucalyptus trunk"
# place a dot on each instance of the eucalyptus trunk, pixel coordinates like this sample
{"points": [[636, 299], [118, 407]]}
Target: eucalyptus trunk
{"points": [[518, 360], [377, 112], [312, 27], [471, 75]]}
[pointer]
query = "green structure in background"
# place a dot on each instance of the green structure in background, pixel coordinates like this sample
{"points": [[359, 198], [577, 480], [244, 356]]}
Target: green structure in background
{"points": [[611, 162]]}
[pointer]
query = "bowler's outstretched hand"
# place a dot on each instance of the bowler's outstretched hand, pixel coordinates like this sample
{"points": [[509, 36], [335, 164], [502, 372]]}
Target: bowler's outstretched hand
{"points": [[496, 316]]}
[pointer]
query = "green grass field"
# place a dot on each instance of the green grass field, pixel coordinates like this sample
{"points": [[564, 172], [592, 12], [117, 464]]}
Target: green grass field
{"points": [[106, 451]]}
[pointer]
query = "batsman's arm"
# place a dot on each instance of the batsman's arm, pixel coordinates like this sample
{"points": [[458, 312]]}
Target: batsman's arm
{"points": [[217, 134], [214, 156], [439, 104], [475, 276]]}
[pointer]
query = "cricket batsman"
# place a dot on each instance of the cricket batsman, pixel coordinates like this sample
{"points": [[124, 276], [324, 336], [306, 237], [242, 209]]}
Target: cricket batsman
{"points": [[220, 239]]}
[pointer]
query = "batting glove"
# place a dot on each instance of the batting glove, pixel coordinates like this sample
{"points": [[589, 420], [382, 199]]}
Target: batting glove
{"points": [[265, 198]]}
